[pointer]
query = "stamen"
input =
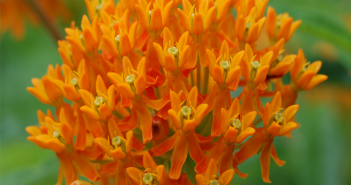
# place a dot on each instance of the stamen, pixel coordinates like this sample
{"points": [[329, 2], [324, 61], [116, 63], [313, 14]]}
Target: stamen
{"points": [[116, 141], [255, 65], [129, 79], [98, 101], [99, 7], [148, 179], [56, 134], [278, 117], [117, 38], [236, 123], [280, 58], [225, 65], [213, 182], [173, 51], [186, 111], [248, 25], [74, 81]]}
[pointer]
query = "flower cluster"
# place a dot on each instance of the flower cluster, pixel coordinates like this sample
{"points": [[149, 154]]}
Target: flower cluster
{"points": [[145, 88]]}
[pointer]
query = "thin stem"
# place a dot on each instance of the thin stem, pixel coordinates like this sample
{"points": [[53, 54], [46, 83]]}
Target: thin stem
{"points": [[45, 20]]}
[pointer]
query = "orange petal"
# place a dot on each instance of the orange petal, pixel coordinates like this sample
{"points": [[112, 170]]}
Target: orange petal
{"points": [[218, 74], [275, 157], [180, 153], [261, 74], [276, 102], [104, 145], [105, 112], [118, 154], [156, 19], [134, 174], [271, 22], [305, 79], [194, 148], [274, 129], [166, 146], [249, 131], [227, 177], [250, 147], [149, 162], [316, 80], [287, 128], [125, 90], [266, 160], [184, 19], [198, 25], [211, 169]]}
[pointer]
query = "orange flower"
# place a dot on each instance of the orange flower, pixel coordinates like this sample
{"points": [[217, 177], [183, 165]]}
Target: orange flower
{"points": [[185, 118], [127, 80], [101, 107], [153, 17], [281, 26], [173, 58], [73, 81], [131, 85], [247, 27], [45, 90], [225, 70], [304, 74], [275, 123], [58, 137], [210, 176], [152, 174], [236, 128]]}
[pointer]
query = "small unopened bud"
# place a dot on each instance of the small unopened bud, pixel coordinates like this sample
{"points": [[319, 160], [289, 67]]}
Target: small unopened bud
{"points": [[98, 101]]}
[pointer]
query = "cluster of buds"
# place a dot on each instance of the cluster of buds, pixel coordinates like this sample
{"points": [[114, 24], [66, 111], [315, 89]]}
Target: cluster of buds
{"points": [[149, 89]]}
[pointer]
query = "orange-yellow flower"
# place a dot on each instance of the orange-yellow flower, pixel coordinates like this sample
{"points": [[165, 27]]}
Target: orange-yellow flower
{"points": [[275, 123], [185, 118], [153, 173], [304, 74], [131, 84], [235, 128], [225, 70], [211, 177], [280, 26]]}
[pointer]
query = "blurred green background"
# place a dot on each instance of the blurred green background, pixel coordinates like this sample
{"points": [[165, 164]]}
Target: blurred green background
{"points": [[319, 152]]}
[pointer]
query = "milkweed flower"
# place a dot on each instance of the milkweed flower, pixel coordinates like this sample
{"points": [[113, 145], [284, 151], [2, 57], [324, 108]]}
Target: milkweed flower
{"points": [[149, 89]]}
